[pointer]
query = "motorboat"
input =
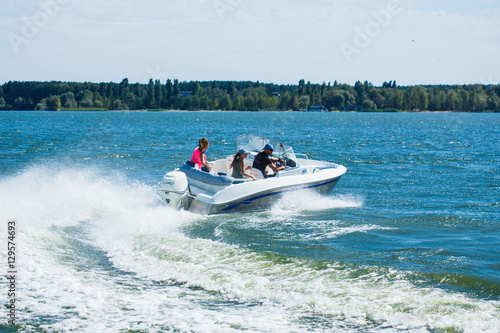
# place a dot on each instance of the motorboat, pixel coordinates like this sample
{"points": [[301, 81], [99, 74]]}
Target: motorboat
{"points": [[217, 192]]}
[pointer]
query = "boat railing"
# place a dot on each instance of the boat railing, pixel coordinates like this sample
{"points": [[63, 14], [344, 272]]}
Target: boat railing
{"points": [[302, 156], [326, 167]]}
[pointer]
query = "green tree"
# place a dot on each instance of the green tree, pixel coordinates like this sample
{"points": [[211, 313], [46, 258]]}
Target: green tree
{"points": [[348, 98], [493, 103], [196, 88], [20, 104], [302, 87], [239, 103], [453, 101], [248, 95], [42, 105], [225, 102], [304, 102], [437, 99], [285, 101], [119, 105], [397, 99], [479, 100], [53, 103], [158, 93], [194, 102], [151, 94], [294, 102], [84, 98], [324, 88], [393, 98], [109, 91], [124, 88], [251, 103], [103, 89], [334, 100], [376, 96], [169, 89], [204, 102], [231, 90], [416, 98], [68, 100], [308, 88], [177, 89], [359, 88], [98, 100], [368, 104]]}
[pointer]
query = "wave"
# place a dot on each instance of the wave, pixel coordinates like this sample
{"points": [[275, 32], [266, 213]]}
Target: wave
{"points": [[101, 252], [296, 202]]}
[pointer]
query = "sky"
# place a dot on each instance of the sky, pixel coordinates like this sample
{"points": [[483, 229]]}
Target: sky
{"points": [[272, 41]]}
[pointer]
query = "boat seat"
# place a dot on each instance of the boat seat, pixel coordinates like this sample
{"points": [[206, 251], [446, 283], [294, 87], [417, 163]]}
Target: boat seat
{"points": [[256, 173], [205, 177]]}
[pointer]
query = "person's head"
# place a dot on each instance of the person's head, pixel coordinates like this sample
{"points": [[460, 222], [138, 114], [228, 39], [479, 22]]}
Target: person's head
{"points": [[243, 153], [268, 149], [240, 155], [203, 143]]}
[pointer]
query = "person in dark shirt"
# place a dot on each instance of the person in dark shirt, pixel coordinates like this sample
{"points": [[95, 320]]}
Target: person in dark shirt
{"points": [[262, 160]]}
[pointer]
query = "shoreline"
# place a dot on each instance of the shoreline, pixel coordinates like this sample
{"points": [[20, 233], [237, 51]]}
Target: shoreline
{"points": [[247, 96], [251, 111]]}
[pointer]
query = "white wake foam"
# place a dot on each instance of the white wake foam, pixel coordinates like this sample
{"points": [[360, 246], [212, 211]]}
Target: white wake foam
{"points": [[102, 253], [295, 202]]}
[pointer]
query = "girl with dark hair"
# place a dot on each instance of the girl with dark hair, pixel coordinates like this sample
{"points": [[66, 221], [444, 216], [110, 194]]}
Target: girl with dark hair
{"points": [[238, 165]]}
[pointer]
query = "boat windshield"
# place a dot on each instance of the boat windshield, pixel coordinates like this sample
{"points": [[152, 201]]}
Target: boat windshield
{"points": [[255, 143]]}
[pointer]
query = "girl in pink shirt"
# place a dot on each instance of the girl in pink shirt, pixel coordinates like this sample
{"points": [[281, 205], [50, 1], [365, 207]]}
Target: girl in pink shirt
{"points": [[199, 157]]}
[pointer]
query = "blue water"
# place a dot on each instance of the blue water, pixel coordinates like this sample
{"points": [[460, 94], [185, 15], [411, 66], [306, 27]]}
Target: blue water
{"points": [[408, 241]]}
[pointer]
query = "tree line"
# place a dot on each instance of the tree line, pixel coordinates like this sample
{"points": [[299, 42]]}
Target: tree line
{"points": [[246, 96]]}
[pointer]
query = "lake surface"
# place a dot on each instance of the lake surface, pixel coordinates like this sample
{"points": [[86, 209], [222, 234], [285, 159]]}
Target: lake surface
{"points": [[408, 241]]}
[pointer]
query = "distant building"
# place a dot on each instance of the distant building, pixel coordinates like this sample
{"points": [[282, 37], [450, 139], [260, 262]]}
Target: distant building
{"points": [[185, 93], [276, 94], [317, 108]]}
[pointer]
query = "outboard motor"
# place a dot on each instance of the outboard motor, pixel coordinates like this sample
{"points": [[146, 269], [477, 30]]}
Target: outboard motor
{"points": [[174, 190]]}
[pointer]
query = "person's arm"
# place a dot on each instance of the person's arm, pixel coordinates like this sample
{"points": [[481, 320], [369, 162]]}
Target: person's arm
{"points": [[274, 160], [275, 168], [243, 173], [204, 161]]}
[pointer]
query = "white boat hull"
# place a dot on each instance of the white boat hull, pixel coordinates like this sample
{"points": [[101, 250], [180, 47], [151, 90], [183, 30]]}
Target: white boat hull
{"points": [[256, 201]]}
